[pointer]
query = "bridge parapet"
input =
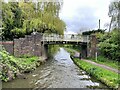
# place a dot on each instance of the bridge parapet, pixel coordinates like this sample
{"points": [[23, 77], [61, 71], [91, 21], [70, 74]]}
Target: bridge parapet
{"points": [[65, 37]]}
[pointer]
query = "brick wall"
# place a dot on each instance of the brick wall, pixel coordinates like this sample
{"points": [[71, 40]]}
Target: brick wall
{"points": [[92, 46], [8, 45], [30, 45]]}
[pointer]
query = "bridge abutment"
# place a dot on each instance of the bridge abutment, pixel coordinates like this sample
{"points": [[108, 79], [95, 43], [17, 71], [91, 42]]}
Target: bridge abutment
{"points": [[28, 46], [92, 46]]}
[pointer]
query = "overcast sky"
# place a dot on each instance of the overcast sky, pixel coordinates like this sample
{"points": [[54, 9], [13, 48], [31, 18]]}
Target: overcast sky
{"points": [[84, 14]]}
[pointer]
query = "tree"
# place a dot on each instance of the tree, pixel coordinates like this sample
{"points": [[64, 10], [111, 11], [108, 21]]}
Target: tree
{"points": [[8, 20], [114, 13], [21, 18], [109, 44], [93, 32]]}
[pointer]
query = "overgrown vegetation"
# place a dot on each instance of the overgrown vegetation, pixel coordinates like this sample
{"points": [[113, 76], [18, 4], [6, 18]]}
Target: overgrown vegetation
{"points": [[109, 44], [13, 67], [21, 18]]}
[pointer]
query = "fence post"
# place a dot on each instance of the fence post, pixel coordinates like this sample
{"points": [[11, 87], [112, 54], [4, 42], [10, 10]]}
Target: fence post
{"points": [[96, 56]]}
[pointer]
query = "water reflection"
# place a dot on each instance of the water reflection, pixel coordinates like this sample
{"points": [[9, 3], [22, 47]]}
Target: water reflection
{"points": [[63, 57]]}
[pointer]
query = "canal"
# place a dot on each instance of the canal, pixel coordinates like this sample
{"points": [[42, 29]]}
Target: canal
{"points": [[58, 72]]}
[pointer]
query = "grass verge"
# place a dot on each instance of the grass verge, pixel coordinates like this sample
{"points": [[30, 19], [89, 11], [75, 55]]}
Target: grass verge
{"points": [[105, 76], [105, 61]]}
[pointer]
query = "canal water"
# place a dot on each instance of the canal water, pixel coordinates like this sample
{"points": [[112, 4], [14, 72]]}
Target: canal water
{"points": [[58, 72]]}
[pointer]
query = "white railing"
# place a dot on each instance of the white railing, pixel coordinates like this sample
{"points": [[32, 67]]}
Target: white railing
{"points": [[65, 37]]}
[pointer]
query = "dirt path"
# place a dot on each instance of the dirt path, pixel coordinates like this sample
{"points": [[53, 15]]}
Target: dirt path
{"points": [[103, 66]]}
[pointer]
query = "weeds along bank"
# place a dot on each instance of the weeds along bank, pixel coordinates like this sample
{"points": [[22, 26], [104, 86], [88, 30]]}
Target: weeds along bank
{"points": [[12, 67], [111, 79]]}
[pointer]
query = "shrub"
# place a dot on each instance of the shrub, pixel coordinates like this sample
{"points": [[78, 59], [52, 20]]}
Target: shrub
{"points": [[109, 44]]}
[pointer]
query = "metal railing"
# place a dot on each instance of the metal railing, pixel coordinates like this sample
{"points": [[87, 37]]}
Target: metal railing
{"points": [[65, 37]]}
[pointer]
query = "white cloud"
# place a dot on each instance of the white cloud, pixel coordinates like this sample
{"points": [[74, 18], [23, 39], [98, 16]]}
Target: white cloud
{"points": [[84, 13]]}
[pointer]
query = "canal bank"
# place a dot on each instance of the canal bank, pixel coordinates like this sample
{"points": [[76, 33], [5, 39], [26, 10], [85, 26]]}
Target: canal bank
{"points": [[57, 72], [108, 77], [13, 67]]}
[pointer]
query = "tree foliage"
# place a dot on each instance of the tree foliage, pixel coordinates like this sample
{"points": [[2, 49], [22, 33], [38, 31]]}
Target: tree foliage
{"points": [[93, 32], [109, 44], [21, 18]]}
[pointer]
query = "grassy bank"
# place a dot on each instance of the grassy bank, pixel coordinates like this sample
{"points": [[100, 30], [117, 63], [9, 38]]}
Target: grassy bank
{"points": [[105, 61], [12, 67], [106, 76]]}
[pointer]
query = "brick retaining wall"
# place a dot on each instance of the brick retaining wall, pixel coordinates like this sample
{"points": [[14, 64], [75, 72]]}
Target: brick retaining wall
{"points": [[28, 46], [92, 46], [8, 45]]}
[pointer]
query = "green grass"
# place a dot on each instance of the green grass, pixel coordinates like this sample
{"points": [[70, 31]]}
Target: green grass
{"points": [[105, 61], [106, 76]]}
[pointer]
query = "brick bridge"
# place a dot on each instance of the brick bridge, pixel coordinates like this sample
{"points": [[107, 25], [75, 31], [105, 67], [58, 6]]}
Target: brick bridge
{"points": [[36, 44]]}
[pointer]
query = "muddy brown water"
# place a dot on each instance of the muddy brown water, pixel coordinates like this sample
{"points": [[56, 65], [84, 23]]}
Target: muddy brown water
{"points": [[58, 72]]}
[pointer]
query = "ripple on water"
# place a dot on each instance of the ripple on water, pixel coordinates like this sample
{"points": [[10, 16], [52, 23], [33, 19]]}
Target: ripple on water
{"points": [[45, 75]]}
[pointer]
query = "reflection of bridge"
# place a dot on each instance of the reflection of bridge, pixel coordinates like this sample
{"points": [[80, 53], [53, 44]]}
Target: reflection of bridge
{"points": [[66, 38]]}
